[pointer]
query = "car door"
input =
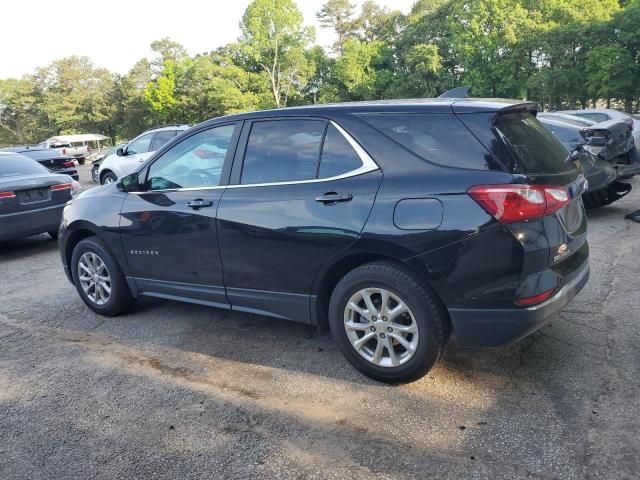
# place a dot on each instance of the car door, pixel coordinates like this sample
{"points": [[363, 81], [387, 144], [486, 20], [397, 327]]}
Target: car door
{"points": [[169, 230], [135, 154], [301, 191]]}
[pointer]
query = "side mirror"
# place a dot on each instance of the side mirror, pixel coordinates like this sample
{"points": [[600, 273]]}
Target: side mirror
{"points": [[129, 183], [121, 153]]}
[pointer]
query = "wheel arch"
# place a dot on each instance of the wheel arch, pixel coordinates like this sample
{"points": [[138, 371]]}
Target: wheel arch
{"points": [[330, 276], [79, 232], [103, 172]]}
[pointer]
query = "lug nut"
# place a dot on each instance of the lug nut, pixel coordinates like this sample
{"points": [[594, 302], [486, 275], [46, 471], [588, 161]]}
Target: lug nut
{"points": [[382, 335], [389, 329], [384, 319], [373, 319], [373, 329]]}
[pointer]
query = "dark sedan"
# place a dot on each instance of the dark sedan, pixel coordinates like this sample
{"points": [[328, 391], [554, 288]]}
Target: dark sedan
{"points": [[52, 160], [31, 197]]}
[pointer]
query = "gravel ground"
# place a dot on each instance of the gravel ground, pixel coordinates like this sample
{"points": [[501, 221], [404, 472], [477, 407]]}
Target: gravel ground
{"points": [[183, 391]]}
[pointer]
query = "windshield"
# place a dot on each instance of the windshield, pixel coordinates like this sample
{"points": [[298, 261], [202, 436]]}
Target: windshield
{"points": [[18, 165]]}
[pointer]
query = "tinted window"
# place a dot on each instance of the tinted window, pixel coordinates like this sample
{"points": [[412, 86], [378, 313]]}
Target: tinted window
{"points": [[196, 161], [524, 145], [596, 117], [338, 156], [17, 165], [282, 151], [161, 138], [438, 138], [569, 137], [141, 145]]}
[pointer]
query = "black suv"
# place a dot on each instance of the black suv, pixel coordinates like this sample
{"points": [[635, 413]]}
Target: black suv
{"points": [[395, 223]]}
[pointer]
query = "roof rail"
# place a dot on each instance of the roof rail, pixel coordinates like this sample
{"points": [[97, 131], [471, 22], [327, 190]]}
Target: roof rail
{"points": [[459, 92], [165, 126]]}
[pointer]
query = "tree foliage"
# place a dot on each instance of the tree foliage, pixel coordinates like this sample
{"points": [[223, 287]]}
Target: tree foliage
{"points": [[560, 53]]}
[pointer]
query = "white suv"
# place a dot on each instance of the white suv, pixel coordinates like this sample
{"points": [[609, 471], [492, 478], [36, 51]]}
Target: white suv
{"points": [[129, 158]]}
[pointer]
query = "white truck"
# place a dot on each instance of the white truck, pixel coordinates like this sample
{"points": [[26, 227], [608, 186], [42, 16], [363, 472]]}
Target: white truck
{"points": [[75, 146]]}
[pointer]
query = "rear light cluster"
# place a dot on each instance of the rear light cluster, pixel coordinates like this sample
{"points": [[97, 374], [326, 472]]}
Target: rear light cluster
{"points": [[536, 299], [517, 203], [69, 164], [73, 186], [7, 194]]}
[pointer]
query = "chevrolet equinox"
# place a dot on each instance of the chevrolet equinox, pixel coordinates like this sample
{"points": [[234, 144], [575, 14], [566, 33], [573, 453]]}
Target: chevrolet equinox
{"points": [[397, 224]]}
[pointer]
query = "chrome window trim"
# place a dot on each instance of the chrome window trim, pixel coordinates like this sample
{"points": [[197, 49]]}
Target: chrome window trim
{"points": [[368, 165]]}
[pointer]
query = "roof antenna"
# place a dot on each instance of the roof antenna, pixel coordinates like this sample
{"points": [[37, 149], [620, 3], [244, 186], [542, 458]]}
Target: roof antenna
{"points": [[459, 92]]}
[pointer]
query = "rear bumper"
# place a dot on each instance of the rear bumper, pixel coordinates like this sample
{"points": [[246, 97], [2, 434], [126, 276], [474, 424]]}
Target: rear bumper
{"points": [[23, 224], [495, 327], [626, 171]]}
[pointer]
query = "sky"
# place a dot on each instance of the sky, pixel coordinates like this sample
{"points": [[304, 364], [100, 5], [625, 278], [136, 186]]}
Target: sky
{"points": [[117, 33]]}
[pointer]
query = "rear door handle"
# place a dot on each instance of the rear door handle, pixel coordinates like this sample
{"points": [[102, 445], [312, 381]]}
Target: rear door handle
{"points": [[199, 203], [331, 198]]}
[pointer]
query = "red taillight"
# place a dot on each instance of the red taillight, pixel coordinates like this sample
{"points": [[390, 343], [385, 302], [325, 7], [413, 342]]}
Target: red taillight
{"points": [[69, 164], [536, 299], [60, 186], [7, 194], [516, 203]]}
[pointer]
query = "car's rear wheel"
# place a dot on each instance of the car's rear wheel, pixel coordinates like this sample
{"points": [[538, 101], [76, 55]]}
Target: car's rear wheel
{"points": [[387, 322], [108, 177], [99, 279]]}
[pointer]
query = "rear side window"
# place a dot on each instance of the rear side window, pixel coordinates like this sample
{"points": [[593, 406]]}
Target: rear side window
{"points": [[282, 151], [338, 156], [438, 138], [161, 138]]}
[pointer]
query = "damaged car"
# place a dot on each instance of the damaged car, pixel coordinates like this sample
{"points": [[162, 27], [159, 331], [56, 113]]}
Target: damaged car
{"points": [[606, 151]]}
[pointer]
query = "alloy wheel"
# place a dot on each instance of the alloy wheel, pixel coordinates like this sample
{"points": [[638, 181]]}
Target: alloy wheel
{"points": [[381, 327], [94, 278]]}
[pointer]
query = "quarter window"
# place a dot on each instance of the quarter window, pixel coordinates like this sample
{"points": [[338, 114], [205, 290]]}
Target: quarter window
{"points": [[282, 151], [195, 162], [338, 156]]}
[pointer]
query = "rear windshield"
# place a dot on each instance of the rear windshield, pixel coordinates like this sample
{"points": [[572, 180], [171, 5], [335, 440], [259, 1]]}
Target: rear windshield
{"points": [[520, 142], [19, 165], [438, 137]]}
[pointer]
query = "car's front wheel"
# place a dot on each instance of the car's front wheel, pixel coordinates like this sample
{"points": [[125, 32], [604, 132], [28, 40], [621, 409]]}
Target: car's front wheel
{"points": [[108, 177], [387, 322], [99, 279]]}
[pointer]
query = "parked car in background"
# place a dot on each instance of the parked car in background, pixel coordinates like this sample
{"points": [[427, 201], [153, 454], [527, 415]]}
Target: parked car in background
{"points": [[51, 159], [78, 146], [31, 197], [476, 228], [95, 165], [605, 150], [599, 115], [134, 153]]}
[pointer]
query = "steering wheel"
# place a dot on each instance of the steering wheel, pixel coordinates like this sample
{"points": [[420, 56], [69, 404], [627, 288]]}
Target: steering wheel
{"points": [[200, 176]]}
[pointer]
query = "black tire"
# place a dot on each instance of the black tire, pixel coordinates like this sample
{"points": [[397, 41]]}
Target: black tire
{"points": [[120, 299], [428, 311], [53, 234], [109, 175], [81, 160]]}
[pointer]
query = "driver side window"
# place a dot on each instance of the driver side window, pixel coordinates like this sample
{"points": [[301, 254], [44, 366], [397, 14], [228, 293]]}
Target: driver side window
{"points": [[141, 145], [195, 162]]}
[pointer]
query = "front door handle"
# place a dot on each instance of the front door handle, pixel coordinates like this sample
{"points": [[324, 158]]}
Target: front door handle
{"points": [[331, 198], [199, 203]]}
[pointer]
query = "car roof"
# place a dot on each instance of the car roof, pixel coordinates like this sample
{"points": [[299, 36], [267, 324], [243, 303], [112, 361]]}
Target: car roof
{"points": [[412, 105]]}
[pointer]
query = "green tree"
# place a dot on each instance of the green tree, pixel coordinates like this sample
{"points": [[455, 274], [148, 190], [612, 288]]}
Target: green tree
{"points": [[274, 40], [339, 16]]}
